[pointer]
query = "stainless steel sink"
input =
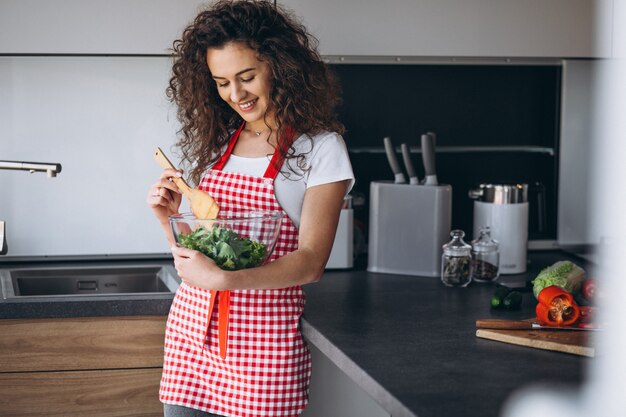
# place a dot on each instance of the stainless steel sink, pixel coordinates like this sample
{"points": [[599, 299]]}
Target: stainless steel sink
{"points": [[63, 281]]}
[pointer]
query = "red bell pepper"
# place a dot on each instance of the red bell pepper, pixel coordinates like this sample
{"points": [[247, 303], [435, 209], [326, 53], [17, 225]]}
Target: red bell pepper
{"points": [[556, 307]]}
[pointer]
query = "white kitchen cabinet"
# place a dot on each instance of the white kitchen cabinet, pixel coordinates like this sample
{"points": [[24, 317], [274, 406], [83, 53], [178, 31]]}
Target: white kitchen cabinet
{"points": [[454, 28], [333, 393], [483, 28], [93, 27]]}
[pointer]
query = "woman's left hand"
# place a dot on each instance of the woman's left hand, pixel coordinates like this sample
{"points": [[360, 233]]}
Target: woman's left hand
{"points": [[197, 269]]}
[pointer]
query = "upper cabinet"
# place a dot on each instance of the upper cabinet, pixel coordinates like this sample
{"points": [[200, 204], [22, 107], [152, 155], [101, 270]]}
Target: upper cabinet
{"points": [[93, 27], [420, 28], [459, 28]]}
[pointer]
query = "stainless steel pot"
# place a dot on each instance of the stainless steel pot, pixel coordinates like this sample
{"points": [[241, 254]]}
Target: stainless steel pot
{"points": [[501, 193]]}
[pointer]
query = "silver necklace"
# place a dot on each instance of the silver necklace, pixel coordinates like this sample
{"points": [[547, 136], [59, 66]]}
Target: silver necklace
{"points": [[258, 133]]}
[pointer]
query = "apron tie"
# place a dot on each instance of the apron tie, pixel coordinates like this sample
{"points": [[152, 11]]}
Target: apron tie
{"points": [[223, 307]]}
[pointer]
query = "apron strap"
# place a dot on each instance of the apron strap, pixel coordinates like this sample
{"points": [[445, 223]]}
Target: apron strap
{"points": [[279, 157], [229, 149]]}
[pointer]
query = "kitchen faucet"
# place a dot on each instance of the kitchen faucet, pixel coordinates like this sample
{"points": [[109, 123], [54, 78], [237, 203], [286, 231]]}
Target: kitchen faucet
{"points": [[51, 168]]}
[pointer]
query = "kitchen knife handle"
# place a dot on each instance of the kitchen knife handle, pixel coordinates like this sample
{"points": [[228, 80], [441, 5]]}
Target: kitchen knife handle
{"points": [[3, 239], [165, 163], [393, 161], [406, 157], [428, 157], [503, 324], [434, 136]]}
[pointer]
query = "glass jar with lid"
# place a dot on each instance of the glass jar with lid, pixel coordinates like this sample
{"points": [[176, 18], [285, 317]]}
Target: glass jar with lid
{"points": [[456, 261], [485, 257]]}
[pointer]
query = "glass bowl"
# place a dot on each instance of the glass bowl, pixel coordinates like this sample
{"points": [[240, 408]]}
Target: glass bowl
{"points": [[242, 241]]}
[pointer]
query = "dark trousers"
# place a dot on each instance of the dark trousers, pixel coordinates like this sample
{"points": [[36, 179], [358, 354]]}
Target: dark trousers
{"points": [[179, 411]]}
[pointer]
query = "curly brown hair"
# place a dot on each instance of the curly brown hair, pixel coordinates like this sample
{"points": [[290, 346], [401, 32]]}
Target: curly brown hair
{"points": [[304, 94]]}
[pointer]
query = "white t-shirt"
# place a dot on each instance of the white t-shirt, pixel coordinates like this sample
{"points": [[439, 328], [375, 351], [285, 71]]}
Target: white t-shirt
{"points": [[326, 158]]}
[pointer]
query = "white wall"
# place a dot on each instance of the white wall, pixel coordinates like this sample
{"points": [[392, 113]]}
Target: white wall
{"points": [[101, 118]]}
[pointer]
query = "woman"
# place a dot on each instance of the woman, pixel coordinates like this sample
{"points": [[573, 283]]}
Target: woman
{"points": [[256, 104]]}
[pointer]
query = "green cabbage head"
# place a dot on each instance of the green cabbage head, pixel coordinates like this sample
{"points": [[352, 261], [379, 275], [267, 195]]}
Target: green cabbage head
{"points": [[564, 274]]}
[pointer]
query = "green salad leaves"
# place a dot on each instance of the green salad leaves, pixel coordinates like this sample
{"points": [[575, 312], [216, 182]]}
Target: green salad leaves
{"points": [[229, 250], [564, 274]]}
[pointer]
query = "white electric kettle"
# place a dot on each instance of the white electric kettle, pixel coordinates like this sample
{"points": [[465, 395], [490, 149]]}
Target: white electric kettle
{"points": [[504, 208]]}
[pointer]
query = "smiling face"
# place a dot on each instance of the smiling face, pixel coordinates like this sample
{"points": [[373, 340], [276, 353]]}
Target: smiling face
{"points": [[242, 81]]}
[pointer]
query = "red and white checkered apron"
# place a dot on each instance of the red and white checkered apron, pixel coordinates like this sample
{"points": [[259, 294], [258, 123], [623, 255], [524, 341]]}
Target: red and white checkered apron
{"points": [[264, 366]]}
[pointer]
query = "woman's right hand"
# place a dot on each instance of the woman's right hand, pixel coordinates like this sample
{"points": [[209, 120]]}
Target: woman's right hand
{"points": [[164, 197]]}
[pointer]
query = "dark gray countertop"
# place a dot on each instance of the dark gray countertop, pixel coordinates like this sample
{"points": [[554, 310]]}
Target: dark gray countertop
{"points": [[408, 341]]}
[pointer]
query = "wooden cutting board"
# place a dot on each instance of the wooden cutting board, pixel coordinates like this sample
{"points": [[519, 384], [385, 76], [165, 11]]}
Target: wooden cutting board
{"points": [[567, 341]]}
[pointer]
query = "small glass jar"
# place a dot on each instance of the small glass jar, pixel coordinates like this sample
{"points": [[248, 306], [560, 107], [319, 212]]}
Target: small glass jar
{"points": [[485, 257], [456, 261]]}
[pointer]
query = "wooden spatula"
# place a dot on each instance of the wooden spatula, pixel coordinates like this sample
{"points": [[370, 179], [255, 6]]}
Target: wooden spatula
{"points": [[201, 203]]}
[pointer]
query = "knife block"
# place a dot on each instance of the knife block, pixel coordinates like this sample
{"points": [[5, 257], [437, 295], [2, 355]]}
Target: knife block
{"points": [[408, 225]]}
